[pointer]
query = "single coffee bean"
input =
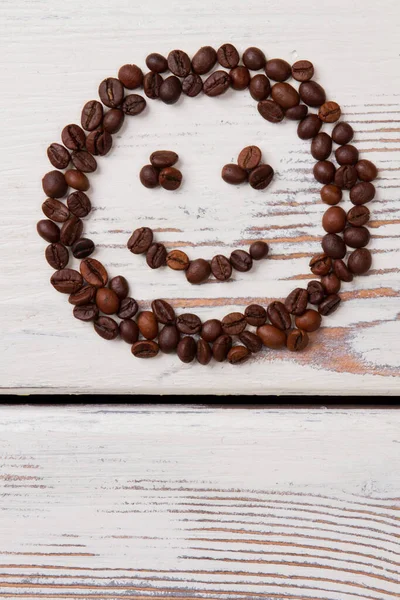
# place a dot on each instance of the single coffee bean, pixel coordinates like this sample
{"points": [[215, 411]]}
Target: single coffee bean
{"points": [[192, 85], [271, 336], [170, 178], [58, 155], [254, 59], [260, 87], [251, 341], [186, 349], [233, 174], [128, 308], [329, 112], [131, 76], [366, 170], [163, 158], [111, 92], [309, 127], [270, 111], [179, 63], [203, 352], [309, 321], [333, 245], [255, 314], [145, 349], [73, 137], [331, 283], [341, 270], [321, 146], [198, 271], [261, 177], [113, 120], [316, 292], [106, 328], [55, 210], [92, 115], [221, 347], [241, 260], [140, 240], [258, 250], [66, 281], [94, 272], [249, 157], [217, 83], [151, 85], [240, 77], [279, 316], [77, 180], [278, 69], [86, 312], [71, 231], [83, 161], [238, 355], [296, 302], [234, 323], [297, 113], [54, 184], [177, 260], [302, 70], [188, 323], [107, 301], [342, 133], [156, 256], [360, 261], [149, 176], [331, 194], [168, 338], [346, 155], [346, 177], [356, 237], [204, 60], [334, 219], [312, 94], [85, 295], [79, 204], [82, 248], [320, 264], [120, 286], [163, 312], [297, 340], [57, 256], [129, 331], [147, 324], [228, 56], [170, 90], [99, 142], [221, 268], [362, 193], [285, 95], [133, 104], [157, 63], [324, 171], [211, 330], [358, 216], [329, 305]]}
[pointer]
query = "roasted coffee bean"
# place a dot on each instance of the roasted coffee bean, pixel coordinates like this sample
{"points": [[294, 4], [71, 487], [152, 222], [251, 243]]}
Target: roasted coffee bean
{"points": [[329, 112], [170, 90], [82, 248], [156, 256], [188, 323], [233, 174], [198, 271], [251, 341], [358, 216], [309, 321], [278, 69], [270, 111], [261, 177], [83, 161], [260, 87], [333, 245], [297, 113], [234, 323], [55, 210], [57, 256], [221, 268], [249, 157], [346, 177], [331, 283], [331, 194], [106, 328], [238, 355], [73, 137], [140, 240], [77, 180], [228, 56], [362, 193], [203, 352], [285, 95], [297, 340], [271, 336], [107, 301], [334, 219], [71, 231], [129, 331], [316, 292], [113, 120], [192, 85], [79, 204], [157, 63], [92, 115], [217, 83], [54, 184], [211, 330], [58, 155], [131, 76], [133, 104], [145, 349], [94, 272], [149, 176], [186, 349], [147, 324], [329, 305], [311, 93], [177, 260], [321, 146], [324, 171], [296, 302], [99, 142], [320, 264], [366, 170], [254, 59], [341, 270], [302, 70], [128, 308], [163, 158], [120, 286], [163, 312], [85, 295], [279, 316], [204, 60], [240, 77], [86, 312], [346, 155], [66, 281], [309, 127], [241, 260], [342, 133], [255, 314], [359, 261], [168, 338], [179, 63], [258, 250], [356, 237], [170, 178], [221, 347], [151, 85], [111, 92]]}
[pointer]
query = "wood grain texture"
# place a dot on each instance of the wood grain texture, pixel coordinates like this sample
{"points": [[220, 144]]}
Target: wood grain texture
{"points": [[53, 56]]}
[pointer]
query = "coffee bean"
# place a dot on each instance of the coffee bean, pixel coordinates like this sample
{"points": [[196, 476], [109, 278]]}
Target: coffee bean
{"points": [[297, 340], [285, 95], [261, 177], [198, 271], [346, 177], [324, 171], [331, 283], [358, 216], [249, 157], [163, 158], [333, 245], [221, 268], [129, 331], [342, 133], [302, 70], [131, 76], [163, 312], [309, 321], [147, 324], [128, 308], [55, 210], [366, 170], [221, 347], [251, 341], [278, 69], [168, 338], [346, 155], [356, 237], [270, 111], [240, 78], [58, 155], [217, 83], [106, 328], [312, 94], [107, 301], [79, 204], [145, 349], [149, 176], [279, 316], [57, 256], [321, 146], [211, 330], [179, 63], [271, 336], [234, 323], [111, 92], [133, 104], [233, 174], [83, 161], [254, 59], [296, 302], [82, 248], [86, 312], [341, 270], [329, 112], [309, 127], [334, 219], [360, 261], [320, 264], [331, 194], [151, 85], [94, 272], [297, 113], [157, 63], [66, 281], [329, 305], [85, 295], [203, 352], [120, 286], [156, 256], [177, 260], [99, 142], [362, 193], [113, 120], [228, 56], [204, 60], [188, 323], [238, 355], [71, 231], [170, 90], [255, 314], [92, 115], [260, 87], [192, 85], [170, 178], [241, 260], [258, 250], [186, 349], [77, 180], [73, 137], [316, 292], [54, 184], [140, 240]]}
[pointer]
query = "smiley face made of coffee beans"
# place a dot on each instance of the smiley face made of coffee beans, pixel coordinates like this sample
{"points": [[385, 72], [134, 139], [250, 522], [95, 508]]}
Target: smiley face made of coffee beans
{"points": [[280, 324]]}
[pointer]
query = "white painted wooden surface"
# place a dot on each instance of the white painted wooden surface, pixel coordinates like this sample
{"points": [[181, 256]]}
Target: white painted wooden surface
{"points": [[52, 57], [192, 502]]}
